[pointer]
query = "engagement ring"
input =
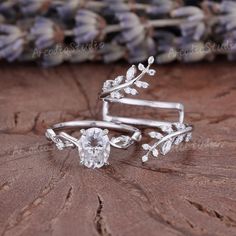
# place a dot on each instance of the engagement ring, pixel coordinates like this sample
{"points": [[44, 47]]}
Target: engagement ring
{"points": [[94, 143]]}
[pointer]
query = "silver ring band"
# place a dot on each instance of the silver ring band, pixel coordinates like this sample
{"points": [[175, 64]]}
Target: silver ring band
{"points": [[136, 136], [146, 103], [171, 133], [94, 144]]}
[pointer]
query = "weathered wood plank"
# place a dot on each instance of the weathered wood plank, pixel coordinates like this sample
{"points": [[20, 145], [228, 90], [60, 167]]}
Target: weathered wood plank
{"points": [[192, 191]]}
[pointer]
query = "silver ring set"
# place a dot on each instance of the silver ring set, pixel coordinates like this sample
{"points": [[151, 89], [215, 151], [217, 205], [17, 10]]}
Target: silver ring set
{"points": [[94, 143]]}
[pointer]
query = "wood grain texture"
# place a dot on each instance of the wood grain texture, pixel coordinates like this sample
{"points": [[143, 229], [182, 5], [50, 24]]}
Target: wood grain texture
{"points": [[192, 191]]}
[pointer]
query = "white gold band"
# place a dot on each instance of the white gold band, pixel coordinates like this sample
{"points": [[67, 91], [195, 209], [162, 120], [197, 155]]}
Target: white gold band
{"points": [[94, 143], [145, 103]]}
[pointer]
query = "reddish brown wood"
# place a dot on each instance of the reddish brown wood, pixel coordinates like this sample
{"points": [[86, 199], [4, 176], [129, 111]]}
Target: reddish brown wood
{"points": [[46, 192]]}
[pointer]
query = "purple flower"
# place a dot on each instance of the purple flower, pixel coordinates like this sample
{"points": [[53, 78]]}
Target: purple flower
{"points": [[193, 26], [161, 7], [89, 26], [166, 46], [12, 41], [132, 30], [67, 9], [164, 39], [6, 6], [227, 7], [30, 7], [46, 33], [190, 13], [228, 21], [224, 26], [143, 51], [117, 6]]}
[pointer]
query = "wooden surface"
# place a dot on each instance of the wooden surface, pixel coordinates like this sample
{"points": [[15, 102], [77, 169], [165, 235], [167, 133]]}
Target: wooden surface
{"points": [[46, 192]]}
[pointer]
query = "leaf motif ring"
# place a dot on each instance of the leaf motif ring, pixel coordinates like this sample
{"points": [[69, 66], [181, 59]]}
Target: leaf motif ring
{"points": [[167, 134], [94, 143]]}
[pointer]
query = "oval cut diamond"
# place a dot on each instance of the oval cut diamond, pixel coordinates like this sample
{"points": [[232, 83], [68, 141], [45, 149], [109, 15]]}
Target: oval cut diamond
{"points": [[94, 148]]}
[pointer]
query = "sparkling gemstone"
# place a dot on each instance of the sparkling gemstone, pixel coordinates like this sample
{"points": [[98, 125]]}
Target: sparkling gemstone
{"points": [[60, 145], [166, 147], [179, 139], [94, 148], [145, 158], [188, 137]]}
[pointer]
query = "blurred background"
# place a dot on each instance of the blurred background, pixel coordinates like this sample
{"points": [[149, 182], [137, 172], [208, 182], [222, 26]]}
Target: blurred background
{"points": [[50, 33]]}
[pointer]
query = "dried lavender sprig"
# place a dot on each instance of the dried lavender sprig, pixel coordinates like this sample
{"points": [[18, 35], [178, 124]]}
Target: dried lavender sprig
{"points": [[88, 21], [66, 8], [45, 33], [11, 42], [135, 43]]}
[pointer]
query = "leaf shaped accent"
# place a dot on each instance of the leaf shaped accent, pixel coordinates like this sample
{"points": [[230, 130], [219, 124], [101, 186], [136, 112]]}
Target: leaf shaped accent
{"points": [[167, 129], [131, 73], [134, 92], [151, 72], [116, 95], [145, 158], [166, 147], [188, 137], [156, 135], [118, 80], [123, 139], [50, 134], [151, 60], [179, 126], [127, 90], [60, 145], [155, 152], [128, 81], [152, 134], [146, 147], [179, 139], [141, 67], [141, 84], [107, 84]]}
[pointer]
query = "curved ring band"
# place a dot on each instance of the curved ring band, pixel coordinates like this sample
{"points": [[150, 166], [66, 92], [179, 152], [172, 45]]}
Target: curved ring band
{"points": [[167, 134], [139, 102], [94, 143]]}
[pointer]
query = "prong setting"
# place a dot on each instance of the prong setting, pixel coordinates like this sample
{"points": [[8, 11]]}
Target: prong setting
{"points": [[94, 144]]}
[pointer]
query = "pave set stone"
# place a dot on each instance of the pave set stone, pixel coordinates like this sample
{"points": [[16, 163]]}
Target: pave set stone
{"points": [[94, 148]]}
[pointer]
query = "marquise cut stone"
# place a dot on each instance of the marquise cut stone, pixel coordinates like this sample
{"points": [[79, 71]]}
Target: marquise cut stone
{"points": [[94, 148]]}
